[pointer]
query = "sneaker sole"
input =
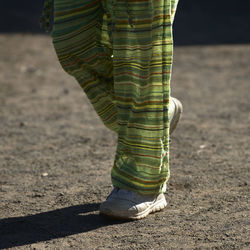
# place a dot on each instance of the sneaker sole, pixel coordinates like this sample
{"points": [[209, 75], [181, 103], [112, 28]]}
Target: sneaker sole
{"points": [[176, 116], [157, 206]]}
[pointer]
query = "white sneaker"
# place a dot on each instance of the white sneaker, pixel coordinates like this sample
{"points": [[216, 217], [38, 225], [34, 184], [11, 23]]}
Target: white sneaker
{"points": [[175, 110], [124, 204]]}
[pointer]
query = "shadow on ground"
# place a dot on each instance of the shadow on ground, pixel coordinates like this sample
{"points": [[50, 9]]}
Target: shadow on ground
{"points": [[19, 231]]}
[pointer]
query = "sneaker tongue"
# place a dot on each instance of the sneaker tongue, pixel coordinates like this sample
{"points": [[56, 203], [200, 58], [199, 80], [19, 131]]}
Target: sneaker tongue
{"points": [[133, 196]]}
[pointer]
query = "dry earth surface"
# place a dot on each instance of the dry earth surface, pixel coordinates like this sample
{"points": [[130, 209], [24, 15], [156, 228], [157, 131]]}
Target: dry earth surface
{"points": [[56, 155]]}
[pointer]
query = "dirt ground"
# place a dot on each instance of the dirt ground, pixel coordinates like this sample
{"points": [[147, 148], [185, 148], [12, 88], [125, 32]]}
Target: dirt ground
{"points": [[56, 155]]}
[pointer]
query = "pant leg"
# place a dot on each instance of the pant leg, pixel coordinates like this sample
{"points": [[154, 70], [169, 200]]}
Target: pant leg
{"points": [[82, 45], [142, 48], [136, 105]]}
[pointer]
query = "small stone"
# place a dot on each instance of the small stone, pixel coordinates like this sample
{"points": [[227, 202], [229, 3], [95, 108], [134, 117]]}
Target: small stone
{"points": [[44, 174], [27, 69], [22, 124], [31, 69], [66, 91]]}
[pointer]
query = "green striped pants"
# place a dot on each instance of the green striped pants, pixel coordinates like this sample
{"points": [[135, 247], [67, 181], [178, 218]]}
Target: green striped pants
{"points": [[120, 52]]}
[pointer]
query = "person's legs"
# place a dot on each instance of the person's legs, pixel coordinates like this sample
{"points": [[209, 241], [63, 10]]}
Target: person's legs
{"points": [[142, 48], [122, 57], [83, 48]]}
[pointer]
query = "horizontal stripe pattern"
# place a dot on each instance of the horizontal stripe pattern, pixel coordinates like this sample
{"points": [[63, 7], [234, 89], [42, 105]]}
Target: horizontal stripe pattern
{"points": [[120, 52]]}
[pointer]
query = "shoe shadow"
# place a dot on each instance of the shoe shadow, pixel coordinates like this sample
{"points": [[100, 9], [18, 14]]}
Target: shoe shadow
{"points": [[19, 231]]}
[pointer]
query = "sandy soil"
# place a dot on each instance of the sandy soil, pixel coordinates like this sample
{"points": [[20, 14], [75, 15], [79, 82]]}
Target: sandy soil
{"points": [[56, 156]]}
